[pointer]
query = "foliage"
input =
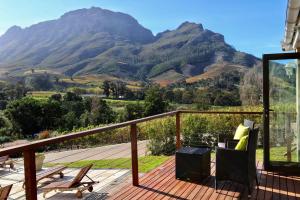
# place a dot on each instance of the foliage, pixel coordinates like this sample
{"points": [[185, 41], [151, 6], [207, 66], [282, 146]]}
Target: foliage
{"points": [[9, 92], [194, 131], [30, 115], [154, 103], [101, 113], [251, 87], [133, 111], [5, 126], [25, 115], [105, 87], [39, 82], [161, 135], [4, 139]]}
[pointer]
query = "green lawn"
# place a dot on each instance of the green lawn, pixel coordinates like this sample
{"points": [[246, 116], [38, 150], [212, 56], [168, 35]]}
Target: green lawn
{"points": [[146, 163]]}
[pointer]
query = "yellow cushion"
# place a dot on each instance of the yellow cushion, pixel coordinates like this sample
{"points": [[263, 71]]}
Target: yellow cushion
{"points": [[242, 145], [241, 131]]}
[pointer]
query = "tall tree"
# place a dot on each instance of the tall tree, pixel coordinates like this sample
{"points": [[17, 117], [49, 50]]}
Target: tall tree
{"points": [[251, 87], [154, 103], [106, 88]]}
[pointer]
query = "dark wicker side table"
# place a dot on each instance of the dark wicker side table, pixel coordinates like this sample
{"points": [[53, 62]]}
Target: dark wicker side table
{"points": [[193, 163]]}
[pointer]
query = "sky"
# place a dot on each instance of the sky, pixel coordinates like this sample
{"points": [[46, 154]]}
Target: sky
{"points": [[252, 26]]}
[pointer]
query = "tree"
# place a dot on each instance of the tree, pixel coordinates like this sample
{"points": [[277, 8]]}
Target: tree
{"points": [[106, 88], [154, 103], [39, 82], [226, 99], [5, 125], [51, 114], [56, 97], [133, 111], [169, 95], [25, 114], [178, 96], [101, 113], [187, 97], [203, 99], [70, 96], [70, 121], [118, 88], [251, 87]]}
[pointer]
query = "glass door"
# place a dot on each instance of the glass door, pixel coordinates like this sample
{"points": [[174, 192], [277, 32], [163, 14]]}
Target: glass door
{"points": [[281, 108]]}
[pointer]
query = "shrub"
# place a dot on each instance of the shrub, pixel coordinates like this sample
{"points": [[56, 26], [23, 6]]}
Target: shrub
{"points": [[133, 111], [195, 131], [154, 103], [161, 135], [5, 126], [4, 139]]}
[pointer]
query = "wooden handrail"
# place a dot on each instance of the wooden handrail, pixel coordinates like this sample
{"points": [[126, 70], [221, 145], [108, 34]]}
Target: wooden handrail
{"points": [[221, 112]]}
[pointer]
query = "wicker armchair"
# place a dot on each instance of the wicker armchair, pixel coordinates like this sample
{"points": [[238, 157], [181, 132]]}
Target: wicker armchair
{"points": [[228, 140], [238, 166]]}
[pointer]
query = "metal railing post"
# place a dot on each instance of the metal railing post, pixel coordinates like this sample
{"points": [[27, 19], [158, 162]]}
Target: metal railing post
{"points": [[30, 175], [178, 144], [134, 155]]}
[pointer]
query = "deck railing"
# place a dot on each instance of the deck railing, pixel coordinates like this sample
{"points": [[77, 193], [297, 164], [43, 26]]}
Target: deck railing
{"points": [[29, 149]]}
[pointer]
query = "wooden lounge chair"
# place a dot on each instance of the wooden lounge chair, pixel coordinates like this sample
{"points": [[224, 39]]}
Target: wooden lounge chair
{"points": [[74, 184], [5, 160], [49, 173], [4, 192]]}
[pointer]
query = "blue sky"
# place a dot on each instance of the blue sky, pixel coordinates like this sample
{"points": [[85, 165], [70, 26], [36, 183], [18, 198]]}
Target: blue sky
{"points": [[253, 26]]}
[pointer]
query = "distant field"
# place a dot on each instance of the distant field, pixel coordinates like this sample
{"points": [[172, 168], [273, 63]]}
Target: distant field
{"points": [[42, 94], [97, 80], [89, 80], [121, 103]]}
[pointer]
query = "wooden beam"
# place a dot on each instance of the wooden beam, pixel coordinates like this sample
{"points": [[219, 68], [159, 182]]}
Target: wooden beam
{"points": [[134, 155], [30, 175], [178, 143]]}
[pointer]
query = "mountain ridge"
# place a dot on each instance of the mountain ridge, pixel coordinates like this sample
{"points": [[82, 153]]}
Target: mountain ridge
{"points": [[100, 41]]}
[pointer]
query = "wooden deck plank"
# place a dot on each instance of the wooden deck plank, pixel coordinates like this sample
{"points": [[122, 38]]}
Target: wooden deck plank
{"points": [[283, 187], [275, 188], [259, 176], [269, 186], [296, 181], [161, 184], [150, 187], [291, 188], [145, 180]]}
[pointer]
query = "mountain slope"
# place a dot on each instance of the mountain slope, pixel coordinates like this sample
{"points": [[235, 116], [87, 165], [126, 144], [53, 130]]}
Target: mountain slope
{"points": [[99, 41]]}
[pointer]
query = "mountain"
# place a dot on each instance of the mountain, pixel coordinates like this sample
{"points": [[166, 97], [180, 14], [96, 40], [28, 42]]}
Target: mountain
{"points": [[99, 41]]}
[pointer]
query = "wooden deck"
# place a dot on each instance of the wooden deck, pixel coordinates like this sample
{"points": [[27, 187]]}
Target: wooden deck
{"points": [[161, 184]]}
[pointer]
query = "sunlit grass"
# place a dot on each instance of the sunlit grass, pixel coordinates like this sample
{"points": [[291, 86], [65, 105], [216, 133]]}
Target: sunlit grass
{"points": [[146, 163]]}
